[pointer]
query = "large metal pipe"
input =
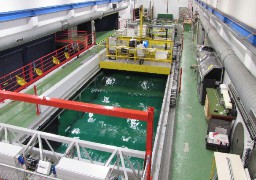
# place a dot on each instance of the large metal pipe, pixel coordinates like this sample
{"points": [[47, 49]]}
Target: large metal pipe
{"points": [[243, 81], [41, 31]]}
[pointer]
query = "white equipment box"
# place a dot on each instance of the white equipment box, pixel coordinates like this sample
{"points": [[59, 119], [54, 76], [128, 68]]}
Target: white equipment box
{"points": [[9, 153], [44, 167], [224, 92], [229, 166], [161, 54], [68, 169], [112, 43]]}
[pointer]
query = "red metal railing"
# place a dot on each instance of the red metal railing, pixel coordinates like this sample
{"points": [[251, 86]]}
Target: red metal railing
{"points": [[147, 116], [70, 36], [30, 73]]}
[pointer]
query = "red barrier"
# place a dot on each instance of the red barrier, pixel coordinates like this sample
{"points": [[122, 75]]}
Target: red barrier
{"points": [[30, 73], [147, 116]]}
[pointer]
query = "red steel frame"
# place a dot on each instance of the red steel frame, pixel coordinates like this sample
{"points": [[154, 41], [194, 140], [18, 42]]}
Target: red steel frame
{"points": [[37, 106], [147, 116], [45, 64]]}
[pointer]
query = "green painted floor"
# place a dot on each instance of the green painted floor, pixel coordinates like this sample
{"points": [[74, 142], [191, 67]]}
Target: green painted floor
{"points": [[100, 36], [190, 160], [23, 114]]}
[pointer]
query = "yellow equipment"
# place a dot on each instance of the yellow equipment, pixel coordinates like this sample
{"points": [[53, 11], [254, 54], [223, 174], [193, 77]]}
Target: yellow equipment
{"points": [[66, 55], [141, 21], [21, 81], [138, 54], [55, 60], [38, 71], [156, 51]]}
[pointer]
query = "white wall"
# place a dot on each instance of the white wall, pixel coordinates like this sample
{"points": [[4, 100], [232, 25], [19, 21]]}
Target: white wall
{"points": [[243, 53], [213, 3], [242, 10], [19, 25], [128, 12], [160, 6], [14, 5]]}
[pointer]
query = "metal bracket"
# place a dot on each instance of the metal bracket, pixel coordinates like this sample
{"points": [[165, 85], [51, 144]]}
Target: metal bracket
{"points": [[65, 24]]}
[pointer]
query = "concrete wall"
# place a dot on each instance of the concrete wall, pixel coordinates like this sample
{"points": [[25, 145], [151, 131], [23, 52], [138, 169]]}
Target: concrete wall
{"points": [[242, 10]]}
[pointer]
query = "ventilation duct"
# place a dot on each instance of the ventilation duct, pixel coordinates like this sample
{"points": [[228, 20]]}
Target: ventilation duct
{"points": [[243, 81], [38, 32]]}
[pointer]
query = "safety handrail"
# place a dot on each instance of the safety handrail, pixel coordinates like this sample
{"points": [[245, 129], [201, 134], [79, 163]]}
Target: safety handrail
{"points": [[70, 36], [23, 77], [147, 116]]}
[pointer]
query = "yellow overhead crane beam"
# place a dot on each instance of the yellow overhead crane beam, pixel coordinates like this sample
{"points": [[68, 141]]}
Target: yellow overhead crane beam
{"points": [[156, 58], [135, 67], [154, 47]]}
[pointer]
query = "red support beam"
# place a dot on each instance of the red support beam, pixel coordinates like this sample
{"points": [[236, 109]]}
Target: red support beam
{"points": [[37, 106], [149, 140], [77, 106], [147, 116]]}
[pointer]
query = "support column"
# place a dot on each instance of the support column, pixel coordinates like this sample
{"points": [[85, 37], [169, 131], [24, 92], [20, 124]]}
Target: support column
{"points": [[72, 32], [149, 141], [93, 32]]}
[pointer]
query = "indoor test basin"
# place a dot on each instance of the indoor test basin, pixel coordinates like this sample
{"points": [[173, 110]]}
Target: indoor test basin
{"points": [[112, 88]]}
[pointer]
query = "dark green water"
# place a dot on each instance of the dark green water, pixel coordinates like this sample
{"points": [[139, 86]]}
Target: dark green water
{"points": [[119, 89]]}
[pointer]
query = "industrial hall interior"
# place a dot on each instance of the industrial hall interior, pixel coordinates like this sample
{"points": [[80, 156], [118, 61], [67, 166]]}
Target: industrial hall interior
{"points": [[128, 90]]}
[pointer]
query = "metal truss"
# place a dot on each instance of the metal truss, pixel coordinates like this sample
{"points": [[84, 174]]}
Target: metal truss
{"points": [[33, 145]]}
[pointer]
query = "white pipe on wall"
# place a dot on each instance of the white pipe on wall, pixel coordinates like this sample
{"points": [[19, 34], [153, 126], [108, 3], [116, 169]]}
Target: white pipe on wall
{"points": [[38, 32]]}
